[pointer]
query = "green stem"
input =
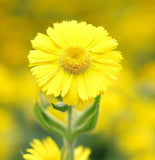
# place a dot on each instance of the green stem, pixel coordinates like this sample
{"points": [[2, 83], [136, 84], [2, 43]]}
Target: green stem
{"points": [[70, 143]]}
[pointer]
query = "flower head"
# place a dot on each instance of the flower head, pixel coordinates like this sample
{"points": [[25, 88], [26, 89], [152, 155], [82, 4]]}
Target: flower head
{"points": [[76, 61], [48, 150]]}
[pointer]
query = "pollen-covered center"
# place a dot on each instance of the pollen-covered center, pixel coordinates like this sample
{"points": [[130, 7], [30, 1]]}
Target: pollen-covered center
{"points": [[75, 59]]}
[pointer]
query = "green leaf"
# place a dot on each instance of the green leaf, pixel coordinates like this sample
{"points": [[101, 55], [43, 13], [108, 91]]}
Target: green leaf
{"points": [[88, 125], [44, 103], [60, 106], [87, 113], [59, 98], [91, 123], [48, 122], [88, 120]]}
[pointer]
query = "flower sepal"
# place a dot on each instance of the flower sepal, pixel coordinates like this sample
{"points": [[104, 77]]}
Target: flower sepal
{"points": [[61, 106]]}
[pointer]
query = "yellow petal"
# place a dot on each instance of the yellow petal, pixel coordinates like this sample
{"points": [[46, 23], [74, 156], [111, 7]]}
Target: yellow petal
{"points": [[85, 155], [87, 35], [71, 98], [99, 34], [46, 79], [92, 35], [82, 87], [78, 150], [105, 74], [52, 146], [36, 143], [82, 153], [57, 37], [30, 157], [66, 83], [100, 80], [108, 62], [70, 31], [44, 73], [46, 44], [113, 55], [55, 85], [45, 149], [107, 44], [43, 70], [37, 57], [91, 85]]}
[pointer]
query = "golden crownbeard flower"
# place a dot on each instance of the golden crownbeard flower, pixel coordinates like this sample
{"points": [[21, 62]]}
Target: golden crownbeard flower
{"points": [[47, 149], [76, 61]]}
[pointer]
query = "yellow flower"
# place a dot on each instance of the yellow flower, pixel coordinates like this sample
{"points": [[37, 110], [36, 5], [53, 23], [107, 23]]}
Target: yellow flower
{"points": [[75, 61], [144, 156], [9, 131], [48, 150], [7, 88]]}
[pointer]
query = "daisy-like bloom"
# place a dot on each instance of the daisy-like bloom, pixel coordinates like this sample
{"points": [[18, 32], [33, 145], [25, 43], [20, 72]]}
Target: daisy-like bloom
{"points": [[74, 60], [47, 149]]}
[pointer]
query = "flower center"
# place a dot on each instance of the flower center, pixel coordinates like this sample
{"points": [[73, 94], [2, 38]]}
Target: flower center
{"points": [[75, 59]]}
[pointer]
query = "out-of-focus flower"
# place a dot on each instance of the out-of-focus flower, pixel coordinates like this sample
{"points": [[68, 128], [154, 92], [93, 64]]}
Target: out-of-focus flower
{"points": [[137, 22], [71, 58], [25, 95], [9, 132], [144, 156], [147, 74], [26, 89], [65, 7], [144, 112], [12, 49], [48, 149], [113, 103], [17, 91], [7, 89], [8, 5], [135, 141]]}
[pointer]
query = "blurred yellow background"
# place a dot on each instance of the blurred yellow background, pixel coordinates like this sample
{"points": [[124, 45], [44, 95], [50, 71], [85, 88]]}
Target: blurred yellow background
{"points": [[126, 127]]}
